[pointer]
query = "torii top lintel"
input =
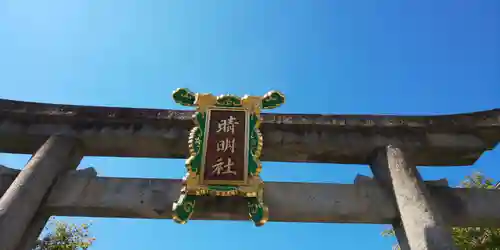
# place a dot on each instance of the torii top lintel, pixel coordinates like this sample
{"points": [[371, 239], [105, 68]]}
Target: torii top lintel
{"points": [[442, 140]]}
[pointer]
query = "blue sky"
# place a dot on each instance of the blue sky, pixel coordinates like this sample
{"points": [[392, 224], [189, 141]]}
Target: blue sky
{"points": [[350, 57]]}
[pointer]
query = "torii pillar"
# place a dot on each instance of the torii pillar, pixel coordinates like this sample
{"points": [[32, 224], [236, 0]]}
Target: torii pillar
{"points": [[422, 223], [20, 203]]}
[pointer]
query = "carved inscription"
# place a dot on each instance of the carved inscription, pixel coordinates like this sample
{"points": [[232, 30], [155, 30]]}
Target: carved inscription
{"points": [[226, 146]]}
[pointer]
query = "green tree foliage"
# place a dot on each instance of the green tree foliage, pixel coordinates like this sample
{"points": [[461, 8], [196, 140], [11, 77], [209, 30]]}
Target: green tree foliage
{"points": [[61, 235], [472, 238]]}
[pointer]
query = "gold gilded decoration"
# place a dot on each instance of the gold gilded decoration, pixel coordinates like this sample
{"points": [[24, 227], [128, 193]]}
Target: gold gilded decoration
{"points": [[225, 147]]}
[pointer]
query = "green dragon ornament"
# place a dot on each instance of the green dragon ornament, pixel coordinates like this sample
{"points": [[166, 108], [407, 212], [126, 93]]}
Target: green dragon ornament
{"points": [[225, 147]]}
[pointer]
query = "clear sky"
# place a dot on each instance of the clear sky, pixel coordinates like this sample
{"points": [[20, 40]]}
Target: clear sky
{"points": [[327, 56]]}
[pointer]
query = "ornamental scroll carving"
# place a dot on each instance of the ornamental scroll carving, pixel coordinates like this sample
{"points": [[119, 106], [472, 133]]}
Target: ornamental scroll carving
{"points": [[225, 146]]}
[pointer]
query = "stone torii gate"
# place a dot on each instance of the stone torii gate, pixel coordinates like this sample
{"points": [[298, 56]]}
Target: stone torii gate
{"points": [[421, 212]]}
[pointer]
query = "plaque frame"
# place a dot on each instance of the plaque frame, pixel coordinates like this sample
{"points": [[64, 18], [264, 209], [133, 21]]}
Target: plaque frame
{"points": [[193, 183]]}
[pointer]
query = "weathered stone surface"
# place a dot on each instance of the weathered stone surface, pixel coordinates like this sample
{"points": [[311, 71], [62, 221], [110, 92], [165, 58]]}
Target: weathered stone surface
{"points": [[83, 194], [383, 180], [107, 131], [7, 176], [396, 224], [422, 223], [363, 179], [28, 241], [20, 202], [41, 218]]}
